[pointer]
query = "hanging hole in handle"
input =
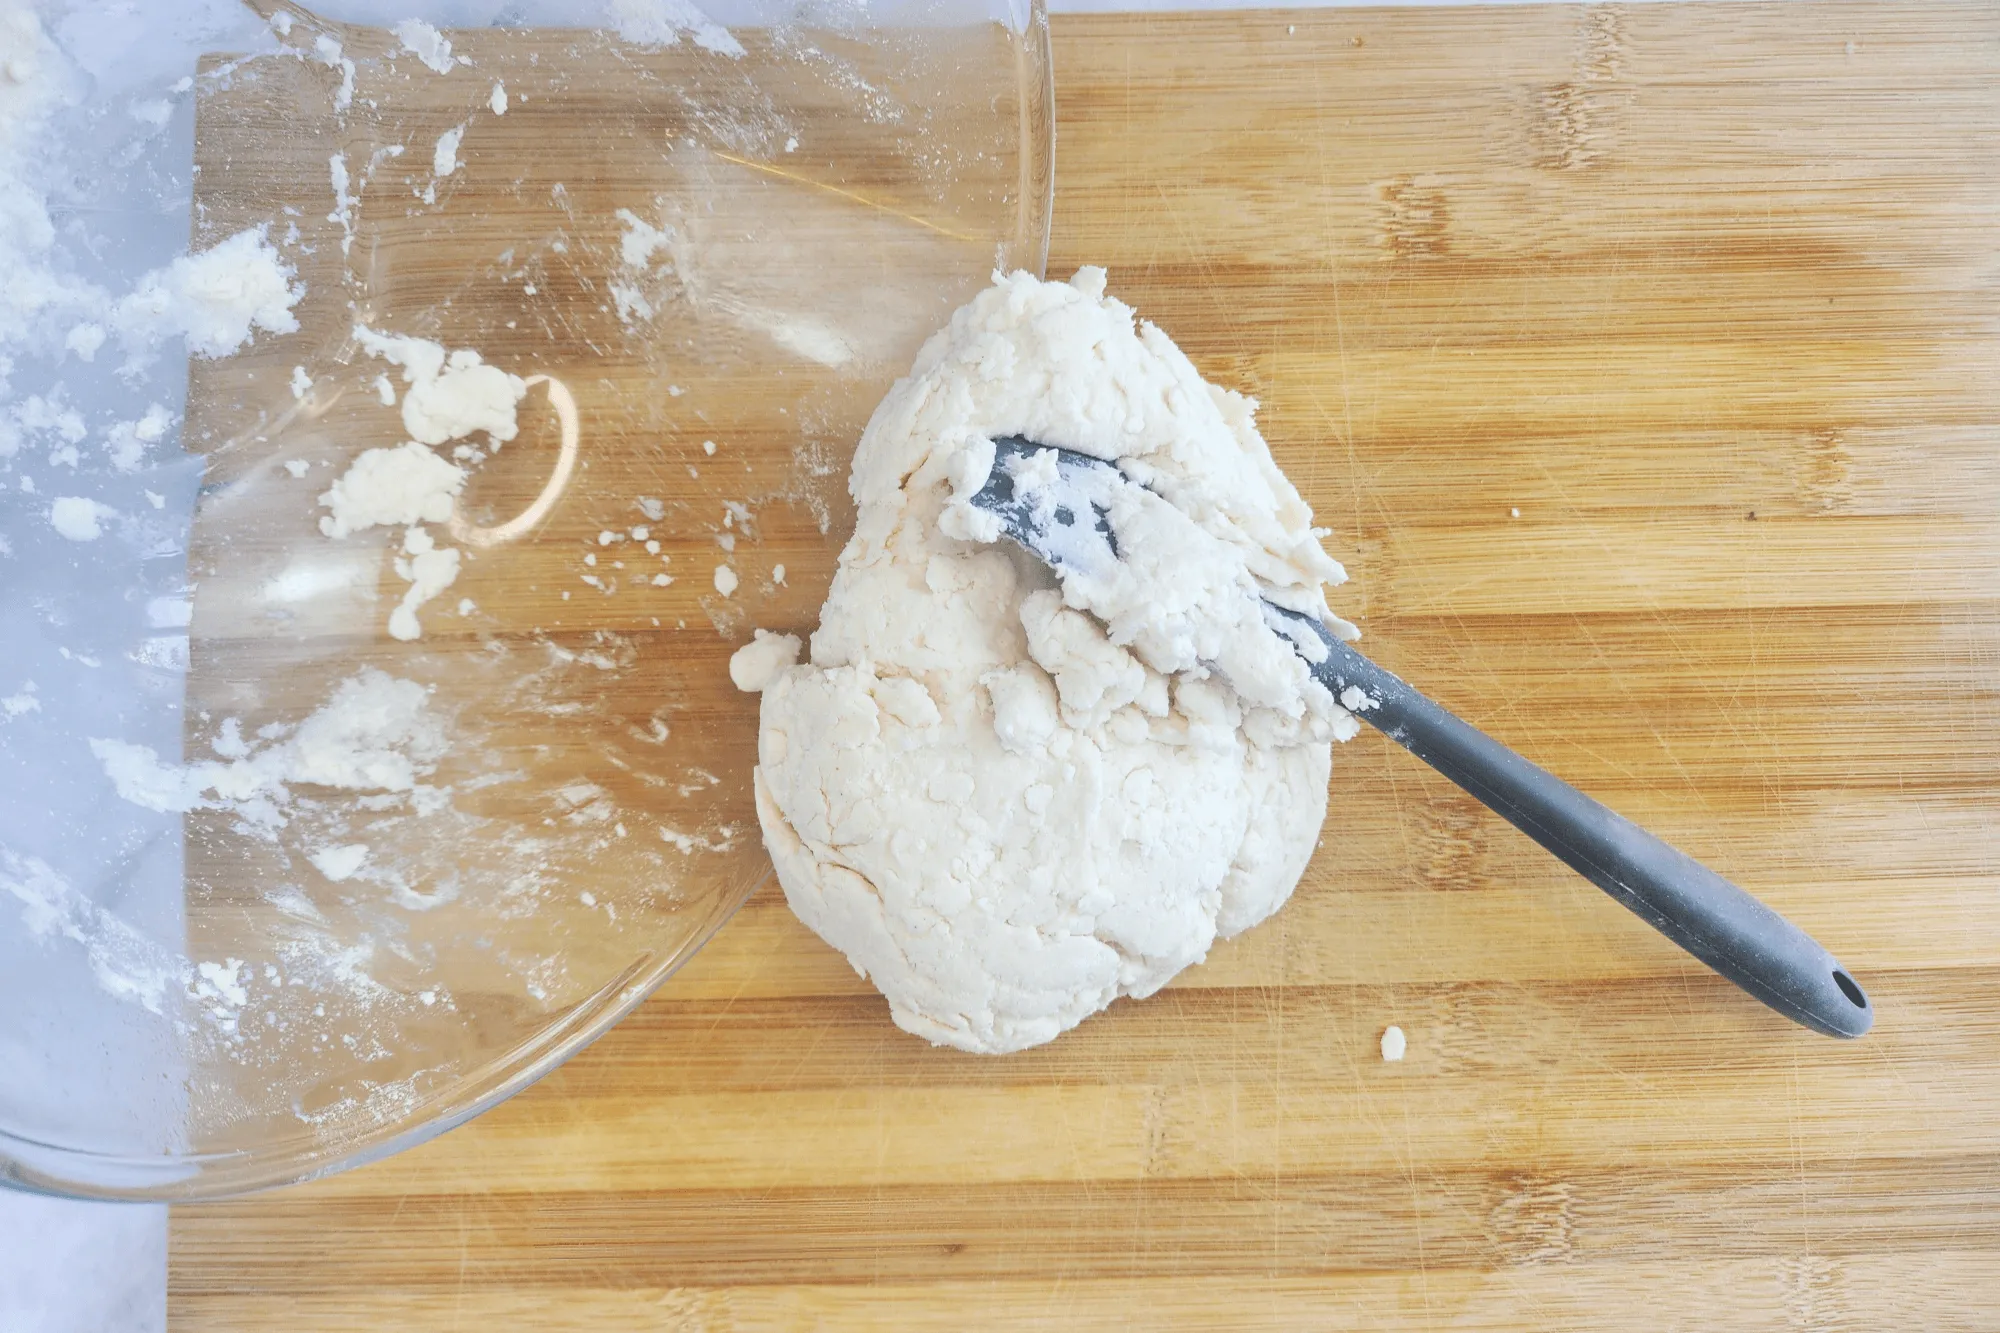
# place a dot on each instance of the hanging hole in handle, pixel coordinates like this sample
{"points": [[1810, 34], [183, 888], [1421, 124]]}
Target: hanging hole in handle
{"points": [[1850, 989]]}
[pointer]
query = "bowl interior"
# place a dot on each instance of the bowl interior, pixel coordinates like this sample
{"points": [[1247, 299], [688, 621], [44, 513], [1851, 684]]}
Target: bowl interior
{"points": [[325, 886]]}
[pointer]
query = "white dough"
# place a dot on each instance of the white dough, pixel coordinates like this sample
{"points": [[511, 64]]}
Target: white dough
{"points": [[444, 158], [403, 485], [427, 44], [430, 569], [1009, 802], [451, 395], [215, 298], [79, 518], [755, 664]]}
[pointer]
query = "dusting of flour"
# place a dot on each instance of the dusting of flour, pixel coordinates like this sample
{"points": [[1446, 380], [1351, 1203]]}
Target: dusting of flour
{"points": [[376, 733], [661, 23], [62, 301], [1010, 801]]}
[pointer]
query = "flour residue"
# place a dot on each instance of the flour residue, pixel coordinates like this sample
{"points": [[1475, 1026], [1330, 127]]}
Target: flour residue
{"points": [[429, 45], [641, 280], [662, 23], [328, 51], [376, 733], [215, 298], [349, 861], [125, 963], [343, 200]]}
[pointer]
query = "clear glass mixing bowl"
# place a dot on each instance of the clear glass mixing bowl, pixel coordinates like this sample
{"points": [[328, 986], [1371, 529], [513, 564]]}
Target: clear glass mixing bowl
{"points": [[282, 891]]}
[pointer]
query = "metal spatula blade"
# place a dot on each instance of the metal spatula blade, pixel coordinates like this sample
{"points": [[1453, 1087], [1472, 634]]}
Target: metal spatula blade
{"points": [[1068, 527]]}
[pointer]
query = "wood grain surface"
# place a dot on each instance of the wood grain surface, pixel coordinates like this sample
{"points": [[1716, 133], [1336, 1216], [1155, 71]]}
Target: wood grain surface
{"points": [[1643, 362]]}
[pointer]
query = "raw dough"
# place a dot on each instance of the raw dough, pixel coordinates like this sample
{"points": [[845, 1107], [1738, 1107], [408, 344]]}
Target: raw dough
{"points": [[404, 485], [452, 395], [427, 44], [79, 518], [1003, 815], [215, 298]]}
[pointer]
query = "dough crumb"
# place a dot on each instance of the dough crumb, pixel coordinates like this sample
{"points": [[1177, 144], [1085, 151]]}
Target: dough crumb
{"points": [[725, 580], [452, 394], [427, 44], [383, 487], [78, 518], [215, 298], [1394, 1044], [444, 158], [756, 663], [340, 863], [430, 569]]}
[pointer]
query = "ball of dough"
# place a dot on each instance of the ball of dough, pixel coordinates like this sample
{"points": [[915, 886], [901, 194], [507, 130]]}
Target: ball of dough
{"points": [[1004, 813]]}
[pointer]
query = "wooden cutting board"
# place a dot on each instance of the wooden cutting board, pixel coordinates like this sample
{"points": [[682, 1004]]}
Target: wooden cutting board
{"points": [[1645, 363]]}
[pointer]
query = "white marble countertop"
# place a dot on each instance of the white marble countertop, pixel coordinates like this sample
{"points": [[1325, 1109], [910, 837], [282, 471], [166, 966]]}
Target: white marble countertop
{"points": [[68, 1267]]}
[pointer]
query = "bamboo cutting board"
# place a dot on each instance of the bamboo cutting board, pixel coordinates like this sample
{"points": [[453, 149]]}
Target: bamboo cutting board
{"points": [[1643, 362]]}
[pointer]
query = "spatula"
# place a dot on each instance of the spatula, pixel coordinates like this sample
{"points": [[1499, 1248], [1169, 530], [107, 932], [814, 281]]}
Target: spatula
{"points": [[1069, 529]]}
